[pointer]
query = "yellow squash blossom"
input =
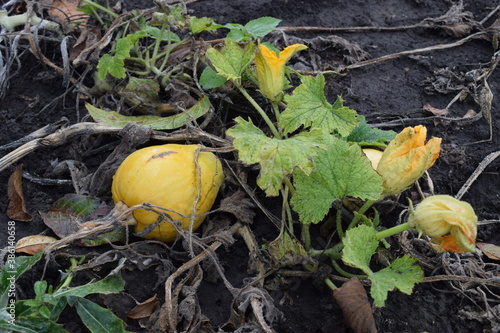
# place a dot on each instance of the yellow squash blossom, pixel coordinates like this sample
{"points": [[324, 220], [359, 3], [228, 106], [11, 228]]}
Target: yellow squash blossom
{"points": [[406, 158], [451, 223], [271, 70]]}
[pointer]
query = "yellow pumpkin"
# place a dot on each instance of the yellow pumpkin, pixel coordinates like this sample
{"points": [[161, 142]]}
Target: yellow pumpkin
{"points": [[168, 176]]}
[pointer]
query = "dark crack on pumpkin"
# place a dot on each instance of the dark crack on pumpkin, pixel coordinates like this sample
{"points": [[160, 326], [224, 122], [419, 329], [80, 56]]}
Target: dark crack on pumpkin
{"points": [[161, 155]]}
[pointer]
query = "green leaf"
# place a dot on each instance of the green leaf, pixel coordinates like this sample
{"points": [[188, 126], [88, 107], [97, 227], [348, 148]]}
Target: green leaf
{"points": [[124, 44], [203, 24], [277, 158], [262, 26], [13, 269], [111, 284], [237, 32], [308, 107], [156, 33], [141, 91], [40, 287], [360, 244], [238, 35], [363, 134], [341, 170], [98, 319], [209, 79], [31, 325], [44, 312], [402, 274], [231, 60], [112, 118], [114, 66]]}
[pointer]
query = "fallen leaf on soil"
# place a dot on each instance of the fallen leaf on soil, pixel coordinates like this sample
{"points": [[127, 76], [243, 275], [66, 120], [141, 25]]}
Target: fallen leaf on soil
{"points": [[17, 208], [66, 11], [456, 22], [469, 114], [489, 250], [74, 213], [144, 309], [33, 244], [435, 111], [66, 215], [355, 306]]}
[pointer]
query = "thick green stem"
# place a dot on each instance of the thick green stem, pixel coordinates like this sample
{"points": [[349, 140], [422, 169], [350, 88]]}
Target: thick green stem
{"points": [[260, 111], [157, 46], [330, 284], [392, 231], [338, 221], [361, 211], [276, 111], [344, 273], [306, 236], [333, 252], [289, 184]]}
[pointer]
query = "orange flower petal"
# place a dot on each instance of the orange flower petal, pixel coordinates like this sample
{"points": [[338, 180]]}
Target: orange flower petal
{"points": [[271, 69], [406, 158]]}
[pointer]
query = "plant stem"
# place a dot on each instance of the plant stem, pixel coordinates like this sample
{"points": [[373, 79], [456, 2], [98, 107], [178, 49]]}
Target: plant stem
{"points": [[262, 113], [361, 211], [276, 111], [306, 236], [333, 252], [330, 284], [157, 46], [104, 9], [392, 231], [327, 281], [344, 273], [338, 220], [289, 184]]}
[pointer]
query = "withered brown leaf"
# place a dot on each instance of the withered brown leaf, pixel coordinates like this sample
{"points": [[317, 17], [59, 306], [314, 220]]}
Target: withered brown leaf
{"points": [[144, 309], [355, 306], [33, 244], [17, 208]]}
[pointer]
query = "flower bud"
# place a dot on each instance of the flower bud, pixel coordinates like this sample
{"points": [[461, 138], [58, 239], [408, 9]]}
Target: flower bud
{"points": [[451, 223], [406, 158], [271, 70]]}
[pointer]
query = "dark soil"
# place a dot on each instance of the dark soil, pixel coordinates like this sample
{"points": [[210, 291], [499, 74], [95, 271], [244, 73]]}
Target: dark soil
{"points": [[391, 94]]}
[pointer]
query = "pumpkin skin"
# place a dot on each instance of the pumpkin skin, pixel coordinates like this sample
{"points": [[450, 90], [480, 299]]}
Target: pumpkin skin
{"points": [[167, 176]]}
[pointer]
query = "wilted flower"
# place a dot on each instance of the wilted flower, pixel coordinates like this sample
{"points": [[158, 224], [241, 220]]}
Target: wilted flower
{"points": [[451, 223], [406, 158], [271, 70]]}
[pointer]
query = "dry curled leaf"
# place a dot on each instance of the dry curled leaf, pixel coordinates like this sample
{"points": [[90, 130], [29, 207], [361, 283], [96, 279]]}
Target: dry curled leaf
{"points": [[17, 208], [435, 111], [470, 114], [456, 22], [66, 12], [355, 306], [240, 206], [490, 250], [144, 309], [33, 244]]}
